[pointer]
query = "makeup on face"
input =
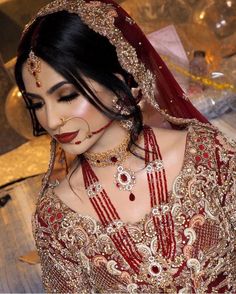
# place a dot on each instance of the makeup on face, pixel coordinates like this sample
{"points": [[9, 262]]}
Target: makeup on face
{"points": [[65, 91], [58, 98], [66, 137]]}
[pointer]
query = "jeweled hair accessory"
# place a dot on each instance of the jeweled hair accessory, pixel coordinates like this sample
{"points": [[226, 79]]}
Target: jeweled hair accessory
{"points": [[34, 67], [100, 17], [135, 54]]}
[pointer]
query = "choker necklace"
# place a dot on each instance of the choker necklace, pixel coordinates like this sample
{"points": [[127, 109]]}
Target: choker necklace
{"points": [[161, 210], [111, 157], [124, 178]]}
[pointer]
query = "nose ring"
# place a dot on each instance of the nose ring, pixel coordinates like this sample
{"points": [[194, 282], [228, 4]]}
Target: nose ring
{"points": [[63, 121]]}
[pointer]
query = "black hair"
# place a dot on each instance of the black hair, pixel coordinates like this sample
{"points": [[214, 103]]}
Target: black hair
{"points": [[74, 50]]}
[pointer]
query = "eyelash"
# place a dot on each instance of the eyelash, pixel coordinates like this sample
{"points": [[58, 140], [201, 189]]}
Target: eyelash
{"points": [[68, 98]]}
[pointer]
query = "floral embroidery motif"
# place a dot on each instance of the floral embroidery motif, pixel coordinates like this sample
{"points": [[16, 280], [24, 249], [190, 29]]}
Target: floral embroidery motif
{"points": [[79, 256]]}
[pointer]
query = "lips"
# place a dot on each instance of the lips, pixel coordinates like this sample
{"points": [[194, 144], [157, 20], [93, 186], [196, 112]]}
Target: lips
{"points": [[66, 137]]}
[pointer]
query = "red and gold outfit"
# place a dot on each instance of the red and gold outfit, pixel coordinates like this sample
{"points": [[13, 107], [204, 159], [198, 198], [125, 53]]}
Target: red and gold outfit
{"points": [[187, 242], [78, 253]]}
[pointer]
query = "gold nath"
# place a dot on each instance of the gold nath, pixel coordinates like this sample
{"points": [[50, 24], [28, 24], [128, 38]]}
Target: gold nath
{"points": [[111, 157]]}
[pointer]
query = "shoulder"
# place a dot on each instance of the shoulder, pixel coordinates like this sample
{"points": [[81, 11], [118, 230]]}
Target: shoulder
{"points": [[204, 142], [216, 154], [212, 146], [170, 139], [49, 209], [214, 137]]}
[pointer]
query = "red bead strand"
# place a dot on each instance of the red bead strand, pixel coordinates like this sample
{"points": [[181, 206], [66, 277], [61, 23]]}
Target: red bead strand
{"points": [[110, 205], [109, 219], [157, 183], [103, 128], [157, 226], [173, 241], [135, 253], [159, 192], [99, 212], [122, 248], [108, 214]]}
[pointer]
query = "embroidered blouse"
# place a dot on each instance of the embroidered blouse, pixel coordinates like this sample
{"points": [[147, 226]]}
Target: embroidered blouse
{"points": [[78, 255]]}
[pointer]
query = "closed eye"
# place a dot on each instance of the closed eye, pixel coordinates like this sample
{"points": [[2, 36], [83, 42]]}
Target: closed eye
{"points": [[35, 106], [69, 97], [66, 98]]}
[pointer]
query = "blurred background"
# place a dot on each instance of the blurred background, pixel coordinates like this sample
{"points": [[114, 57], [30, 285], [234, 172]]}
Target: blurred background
{"points": [[197, 40], [202, 57]]}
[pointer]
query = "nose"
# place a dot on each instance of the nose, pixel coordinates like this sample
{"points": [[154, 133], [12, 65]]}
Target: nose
{"points": [[53, 118]]}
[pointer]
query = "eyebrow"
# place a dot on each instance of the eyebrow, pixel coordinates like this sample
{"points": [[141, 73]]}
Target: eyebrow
{"points": [[49, 91]]}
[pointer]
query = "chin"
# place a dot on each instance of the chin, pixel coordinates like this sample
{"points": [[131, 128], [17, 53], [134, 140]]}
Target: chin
{"points": [[75, 149]]}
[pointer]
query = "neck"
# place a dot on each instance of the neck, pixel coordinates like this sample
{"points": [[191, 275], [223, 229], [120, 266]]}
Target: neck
{"points": [[112, 137]]}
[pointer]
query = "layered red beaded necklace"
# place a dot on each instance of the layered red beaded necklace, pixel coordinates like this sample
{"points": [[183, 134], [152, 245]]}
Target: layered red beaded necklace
{"points": [[159, 202], [124, 177]]}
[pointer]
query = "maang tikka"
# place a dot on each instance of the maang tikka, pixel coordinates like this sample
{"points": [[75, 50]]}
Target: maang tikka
{"points": [[34, 67]]}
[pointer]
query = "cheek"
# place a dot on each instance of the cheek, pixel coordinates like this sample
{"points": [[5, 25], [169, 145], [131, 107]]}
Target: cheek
{"points": [[79, 108], [82, 108], [42, 118], [87, 111]]}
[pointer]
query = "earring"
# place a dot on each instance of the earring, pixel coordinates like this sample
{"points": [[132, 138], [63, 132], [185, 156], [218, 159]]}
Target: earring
{"points": [[128, 123], [34, 67]]}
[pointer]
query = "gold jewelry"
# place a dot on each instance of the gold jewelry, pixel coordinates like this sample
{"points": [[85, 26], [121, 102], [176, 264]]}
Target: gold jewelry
{"points": [[124, 178], [34, 67], [128, 123], [111, 157], [101, 17], [65, 120]]}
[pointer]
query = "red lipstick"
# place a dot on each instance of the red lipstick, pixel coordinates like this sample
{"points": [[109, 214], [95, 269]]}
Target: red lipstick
{"points": [[66, 137]]}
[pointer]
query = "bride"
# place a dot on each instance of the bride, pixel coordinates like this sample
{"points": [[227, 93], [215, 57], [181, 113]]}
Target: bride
{"points": [[143, 209]]}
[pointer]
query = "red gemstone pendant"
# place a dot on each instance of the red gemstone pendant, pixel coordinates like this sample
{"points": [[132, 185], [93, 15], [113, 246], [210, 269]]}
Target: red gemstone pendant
{"points": [[125, 178], [131, 197]]}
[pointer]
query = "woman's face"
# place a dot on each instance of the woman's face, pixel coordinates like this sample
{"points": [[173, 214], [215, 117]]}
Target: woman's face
{"points": [[63, 112]]}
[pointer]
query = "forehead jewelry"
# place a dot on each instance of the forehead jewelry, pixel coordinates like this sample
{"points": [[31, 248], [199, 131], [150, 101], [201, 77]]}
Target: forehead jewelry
{"points": [[34, 67], [101, 17]]}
